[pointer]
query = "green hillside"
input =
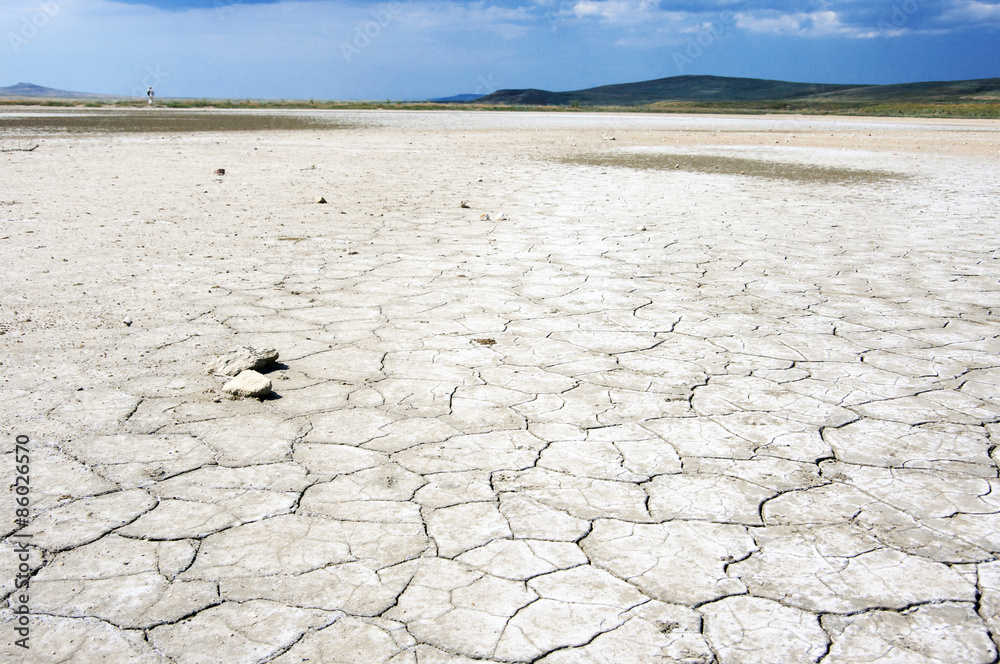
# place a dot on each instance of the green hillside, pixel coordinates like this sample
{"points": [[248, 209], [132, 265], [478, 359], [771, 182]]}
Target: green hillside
{"points": [[720, 89]]}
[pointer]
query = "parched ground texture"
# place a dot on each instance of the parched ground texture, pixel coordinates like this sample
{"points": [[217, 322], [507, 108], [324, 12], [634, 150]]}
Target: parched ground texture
{"points": [[698, 390]]}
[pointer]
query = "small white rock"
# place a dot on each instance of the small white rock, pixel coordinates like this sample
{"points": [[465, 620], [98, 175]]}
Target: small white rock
{"points": [[248, 384]]}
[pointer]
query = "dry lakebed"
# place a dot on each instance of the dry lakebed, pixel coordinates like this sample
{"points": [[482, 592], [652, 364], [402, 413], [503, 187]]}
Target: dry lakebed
{"points": [[558, 388]]}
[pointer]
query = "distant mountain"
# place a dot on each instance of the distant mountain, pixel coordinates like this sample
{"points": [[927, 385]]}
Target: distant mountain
{"points": [[32, 90], [727, 89], [456, 99]]}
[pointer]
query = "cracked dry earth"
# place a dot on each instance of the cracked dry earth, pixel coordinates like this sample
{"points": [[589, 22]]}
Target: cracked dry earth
{"points": [[655, 415]]}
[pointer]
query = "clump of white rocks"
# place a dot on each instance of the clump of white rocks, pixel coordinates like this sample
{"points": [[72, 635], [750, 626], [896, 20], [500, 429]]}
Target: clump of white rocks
{"points": [[241, 364]]}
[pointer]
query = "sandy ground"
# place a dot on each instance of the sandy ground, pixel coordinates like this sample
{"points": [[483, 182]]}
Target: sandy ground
{"points": [[697, 412]]}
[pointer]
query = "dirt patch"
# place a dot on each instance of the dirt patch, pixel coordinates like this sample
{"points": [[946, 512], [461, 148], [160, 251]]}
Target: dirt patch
{"points": [[743, 166]]}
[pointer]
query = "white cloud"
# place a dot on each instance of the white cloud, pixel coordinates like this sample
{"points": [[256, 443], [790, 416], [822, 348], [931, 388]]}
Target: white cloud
{"points": [[972, 11], [447, 16], [852, 19], [826, 23], [617, 11], [772, 23]]}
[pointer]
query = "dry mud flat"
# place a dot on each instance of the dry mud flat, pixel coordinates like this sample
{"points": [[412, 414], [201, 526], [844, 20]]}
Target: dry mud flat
{"points": [[717, 390]]}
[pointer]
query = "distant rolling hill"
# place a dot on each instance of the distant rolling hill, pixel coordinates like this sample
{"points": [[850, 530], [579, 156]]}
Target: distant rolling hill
{"points": [[979, 88], [456, 99], [22, 90], [727, 89]]}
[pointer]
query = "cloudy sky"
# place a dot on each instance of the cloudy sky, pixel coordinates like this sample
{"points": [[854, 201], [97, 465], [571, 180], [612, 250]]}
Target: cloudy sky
{"points": [[417, 49]]}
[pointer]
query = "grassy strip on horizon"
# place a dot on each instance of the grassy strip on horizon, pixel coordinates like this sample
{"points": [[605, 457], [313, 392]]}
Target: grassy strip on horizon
{"points": [[963, 109]]}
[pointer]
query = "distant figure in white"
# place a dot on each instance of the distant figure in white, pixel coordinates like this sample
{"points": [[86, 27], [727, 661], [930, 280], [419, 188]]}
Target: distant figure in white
{"points": [[149, 93]]}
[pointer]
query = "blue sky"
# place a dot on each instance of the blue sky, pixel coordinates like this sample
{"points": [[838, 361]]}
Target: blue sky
{"points": [[414, 49]]}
